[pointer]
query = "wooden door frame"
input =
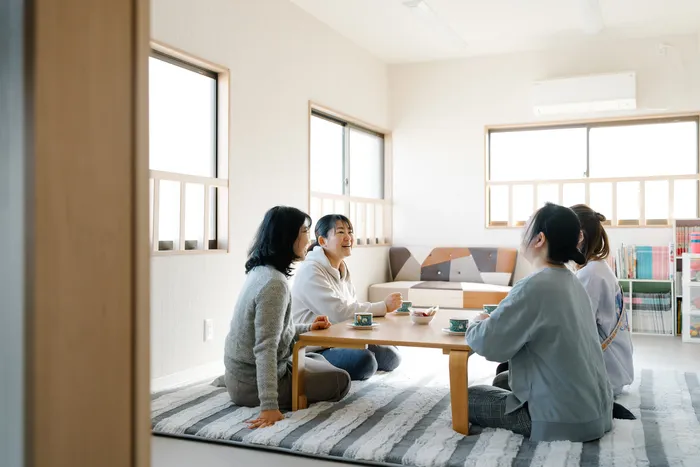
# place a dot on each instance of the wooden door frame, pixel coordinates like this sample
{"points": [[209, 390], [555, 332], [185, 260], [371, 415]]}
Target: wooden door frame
{"points": [[86, 258]]}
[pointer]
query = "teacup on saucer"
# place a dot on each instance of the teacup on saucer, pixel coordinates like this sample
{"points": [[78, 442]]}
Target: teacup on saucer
{"points": [[363, 319], [458, 324]]}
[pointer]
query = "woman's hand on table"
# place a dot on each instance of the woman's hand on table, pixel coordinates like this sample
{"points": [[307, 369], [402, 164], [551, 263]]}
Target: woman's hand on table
{"points": [[265, 419], [393, 302], [482, 316], [320, 323]]}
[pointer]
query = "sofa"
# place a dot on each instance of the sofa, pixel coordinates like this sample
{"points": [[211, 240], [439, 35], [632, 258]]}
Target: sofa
{"points": [[458, 278]]}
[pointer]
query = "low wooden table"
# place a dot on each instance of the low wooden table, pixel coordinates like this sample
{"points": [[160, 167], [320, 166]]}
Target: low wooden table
{"points": [[400, 331]]}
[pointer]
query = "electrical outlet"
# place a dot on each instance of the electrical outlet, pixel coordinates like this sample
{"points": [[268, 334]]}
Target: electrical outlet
{"points": [[208, 330]]}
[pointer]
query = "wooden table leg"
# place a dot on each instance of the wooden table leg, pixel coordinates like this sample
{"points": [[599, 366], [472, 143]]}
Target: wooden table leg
{"points": [[458, 391], [298, 390]]}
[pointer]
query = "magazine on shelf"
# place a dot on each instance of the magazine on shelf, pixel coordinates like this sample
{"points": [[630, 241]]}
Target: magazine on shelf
{"points": [[652, 313], [643, 262], [683, 238]]}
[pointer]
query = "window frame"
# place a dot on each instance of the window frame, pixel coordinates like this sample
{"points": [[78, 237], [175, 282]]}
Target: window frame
{"points": [[221, 180], [363, 238], [589, 124]]}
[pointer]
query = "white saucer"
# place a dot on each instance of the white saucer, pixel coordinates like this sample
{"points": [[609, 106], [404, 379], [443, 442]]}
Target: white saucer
{"points": [[453, 333], [374, 325]]}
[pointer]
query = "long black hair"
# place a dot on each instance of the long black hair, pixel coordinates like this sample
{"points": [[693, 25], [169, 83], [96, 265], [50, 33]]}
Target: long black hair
{"points": [[275, 239], [326, 225], [561, 228]]}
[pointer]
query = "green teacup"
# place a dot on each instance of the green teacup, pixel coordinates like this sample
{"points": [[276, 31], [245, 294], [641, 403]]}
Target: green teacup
{"points": [[405, 307], [488, 309], [458, 324], [363, 319]]}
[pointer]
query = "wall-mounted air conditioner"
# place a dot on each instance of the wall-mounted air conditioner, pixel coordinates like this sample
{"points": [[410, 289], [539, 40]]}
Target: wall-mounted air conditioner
{"points": [[585, 94]]}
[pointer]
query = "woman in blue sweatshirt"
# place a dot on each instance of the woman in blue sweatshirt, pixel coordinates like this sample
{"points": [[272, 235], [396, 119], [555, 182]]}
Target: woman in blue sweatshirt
{"points": [[545, 328]]}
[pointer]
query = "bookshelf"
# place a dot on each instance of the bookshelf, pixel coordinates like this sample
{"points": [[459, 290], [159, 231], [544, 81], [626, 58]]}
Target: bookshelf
{"points": [[650, 305], [646, 277], [680, 240], [690, 322]]}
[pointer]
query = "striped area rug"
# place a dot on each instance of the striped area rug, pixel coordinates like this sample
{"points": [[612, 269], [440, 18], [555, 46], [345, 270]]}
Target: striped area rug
{"points": [[404, 418]]}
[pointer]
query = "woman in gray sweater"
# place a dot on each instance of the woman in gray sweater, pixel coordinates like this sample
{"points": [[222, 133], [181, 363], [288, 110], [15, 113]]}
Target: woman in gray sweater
{"points": [[259, 346], [559, 389]]}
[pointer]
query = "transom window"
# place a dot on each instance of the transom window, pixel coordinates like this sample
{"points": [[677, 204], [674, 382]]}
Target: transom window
{"points": [[642, 172]]}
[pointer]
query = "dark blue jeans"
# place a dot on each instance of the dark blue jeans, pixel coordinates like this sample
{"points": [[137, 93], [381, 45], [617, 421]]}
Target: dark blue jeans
{"points": [[362, 364]]}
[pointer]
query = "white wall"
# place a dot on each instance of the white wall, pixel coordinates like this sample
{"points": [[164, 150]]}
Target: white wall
{"points": [[280, 58], [439, 111]]}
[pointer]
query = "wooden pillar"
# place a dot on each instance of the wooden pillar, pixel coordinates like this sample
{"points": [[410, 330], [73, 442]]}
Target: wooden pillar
{"points": [[86, 254]]}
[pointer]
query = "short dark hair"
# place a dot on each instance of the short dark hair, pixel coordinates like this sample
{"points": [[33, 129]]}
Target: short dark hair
{"points": [[595, 240], [561, 228], [326, 225], [274, 242]]}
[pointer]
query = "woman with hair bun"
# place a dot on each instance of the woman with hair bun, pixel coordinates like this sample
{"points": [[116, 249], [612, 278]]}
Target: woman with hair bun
{"points": [[559, 389]]}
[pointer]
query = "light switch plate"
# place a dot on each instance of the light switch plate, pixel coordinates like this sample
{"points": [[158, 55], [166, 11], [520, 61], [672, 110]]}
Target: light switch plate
{"points": [[208, 330]]}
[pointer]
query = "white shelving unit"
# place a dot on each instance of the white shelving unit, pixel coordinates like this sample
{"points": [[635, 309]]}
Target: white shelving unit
{"points": [[691, 298], [653, 323], [677, 234]]}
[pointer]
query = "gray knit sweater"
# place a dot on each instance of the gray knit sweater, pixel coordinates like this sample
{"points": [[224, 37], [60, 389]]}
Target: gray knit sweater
{"points": [[261, 340]]}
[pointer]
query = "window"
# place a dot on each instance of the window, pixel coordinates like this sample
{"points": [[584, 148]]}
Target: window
{"points": [[642, 172], [188, 155], [347, 167]]}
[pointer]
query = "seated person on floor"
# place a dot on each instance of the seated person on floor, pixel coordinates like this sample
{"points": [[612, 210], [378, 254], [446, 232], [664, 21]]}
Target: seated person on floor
{"points": [[259, 346], [322, 286], [606, 296], [560, 388]]}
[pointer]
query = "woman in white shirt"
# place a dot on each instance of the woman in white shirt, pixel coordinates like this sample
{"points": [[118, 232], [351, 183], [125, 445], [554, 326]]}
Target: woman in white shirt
{"points": [[606, 297], [322, 287]]}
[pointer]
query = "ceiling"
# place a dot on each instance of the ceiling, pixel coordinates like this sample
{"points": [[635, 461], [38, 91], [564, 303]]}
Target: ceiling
{"points": [[442, 29]]}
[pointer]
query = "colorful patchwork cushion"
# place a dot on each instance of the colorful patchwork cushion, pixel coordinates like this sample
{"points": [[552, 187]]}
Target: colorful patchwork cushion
{"points": [[476, 265]]}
